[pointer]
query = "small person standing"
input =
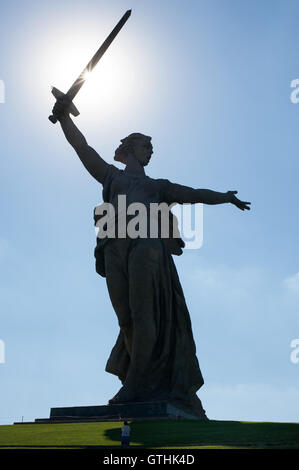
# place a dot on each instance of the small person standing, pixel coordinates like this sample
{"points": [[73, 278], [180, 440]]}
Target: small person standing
{"points": [[125, 435]]}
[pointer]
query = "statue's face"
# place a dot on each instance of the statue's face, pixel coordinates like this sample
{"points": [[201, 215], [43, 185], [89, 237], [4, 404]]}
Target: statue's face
{"points": [[143, 150]]}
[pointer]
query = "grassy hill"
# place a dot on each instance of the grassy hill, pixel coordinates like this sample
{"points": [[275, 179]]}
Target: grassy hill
{"points": [[154, 434]]}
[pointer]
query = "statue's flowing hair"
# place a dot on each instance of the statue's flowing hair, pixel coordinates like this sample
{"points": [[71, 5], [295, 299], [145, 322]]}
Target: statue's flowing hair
{"points": [[127, 146]]}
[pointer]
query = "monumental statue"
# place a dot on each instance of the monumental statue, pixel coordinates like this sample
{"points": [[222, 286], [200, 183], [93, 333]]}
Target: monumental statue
{"points": [[154, 355]]}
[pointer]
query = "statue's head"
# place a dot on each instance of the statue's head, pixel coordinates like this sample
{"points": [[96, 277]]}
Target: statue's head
{"points": [[137, 145]]}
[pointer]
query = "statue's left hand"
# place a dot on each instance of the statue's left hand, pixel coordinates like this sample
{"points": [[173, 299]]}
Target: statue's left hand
{"points": [[234, 200]]}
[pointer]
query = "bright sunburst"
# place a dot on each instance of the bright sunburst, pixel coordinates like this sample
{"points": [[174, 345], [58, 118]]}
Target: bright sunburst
{"points": [[116, 87]]}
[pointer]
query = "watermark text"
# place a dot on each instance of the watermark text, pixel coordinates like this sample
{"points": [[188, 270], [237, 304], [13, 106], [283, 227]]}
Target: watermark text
{"points": [[2, 352], [294, 95], [295, 353], [153, 220], [2, 91]]}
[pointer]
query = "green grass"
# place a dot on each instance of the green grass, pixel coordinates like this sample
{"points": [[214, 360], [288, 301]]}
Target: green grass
{"points": [[153, 434]]}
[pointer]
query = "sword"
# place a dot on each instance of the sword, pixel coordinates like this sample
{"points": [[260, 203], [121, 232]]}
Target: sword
{"points": [[89, 67]]}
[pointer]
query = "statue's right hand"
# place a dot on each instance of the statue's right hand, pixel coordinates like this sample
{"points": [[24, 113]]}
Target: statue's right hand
{"points": [[61, 106]]}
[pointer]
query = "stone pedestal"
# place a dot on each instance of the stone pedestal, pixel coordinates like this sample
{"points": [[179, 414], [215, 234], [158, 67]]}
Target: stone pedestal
{"points": [[146, 410]]}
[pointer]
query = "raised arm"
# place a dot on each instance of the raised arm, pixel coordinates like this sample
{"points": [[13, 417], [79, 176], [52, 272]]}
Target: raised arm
{"points": [[172, 192], [92, 161]]}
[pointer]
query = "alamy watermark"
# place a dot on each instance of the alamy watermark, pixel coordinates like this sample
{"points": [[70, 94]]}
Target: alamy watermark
{"points": [[2, 352], [190, 224], [2, 91], [295, 353], [153, 220], [293, 96]]}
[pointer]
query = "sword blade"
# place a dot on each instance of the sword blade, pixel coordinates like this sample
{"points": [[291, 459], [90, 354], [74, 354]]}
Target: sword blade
{"points": [[97, 56]]}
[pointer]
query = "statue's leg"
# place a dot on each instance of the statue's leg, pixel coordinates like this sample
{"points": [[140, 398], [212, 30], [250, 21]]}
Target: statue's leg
{"points": [[143, 267], [118, 288], [144, 270]]}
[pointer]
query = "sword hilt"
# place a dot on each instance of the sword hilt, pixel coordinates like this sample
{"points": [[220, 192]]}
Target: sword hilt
{"points": [[71, 108], [53, 119]]}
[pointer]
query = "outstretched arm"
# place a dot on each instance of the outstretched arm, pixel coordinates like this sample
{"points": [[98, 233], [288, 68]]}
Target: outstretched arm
{"points": [[92, 161], [173, 192]]}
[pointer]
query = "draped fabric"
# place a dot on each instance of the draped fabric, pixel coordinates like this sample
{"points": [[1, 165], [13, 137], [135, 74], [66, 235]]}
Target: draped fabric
{"points": [[154, 355]]}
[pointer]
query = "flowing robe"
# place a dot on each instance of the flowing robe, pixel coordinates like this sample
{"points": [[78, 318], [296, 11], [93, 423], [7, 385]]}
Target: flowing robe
{"points": [[154, 355]]}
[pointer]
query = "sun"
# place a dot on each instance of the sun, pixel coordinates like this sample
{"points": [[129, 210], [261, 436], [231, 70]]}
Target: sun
{"points": [[114, 88], [86, 75], [105, 87]]}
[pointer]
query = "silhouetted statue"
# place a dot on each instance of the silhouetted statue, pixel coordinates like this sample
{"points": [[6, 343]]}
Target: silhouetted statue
{"points": [[154, 355]]}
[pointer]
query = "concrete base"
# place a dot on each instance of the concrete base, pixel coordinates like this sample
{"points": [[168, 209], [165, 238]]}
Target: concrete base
{"points": [[128, 410], [146, 410]]}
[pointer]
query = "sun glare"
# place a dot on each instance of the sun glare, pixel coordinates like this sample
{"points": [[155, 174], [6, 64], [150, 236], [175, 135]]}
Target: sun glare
{"points": [[86, 75], [106, 86], [115, 87]]}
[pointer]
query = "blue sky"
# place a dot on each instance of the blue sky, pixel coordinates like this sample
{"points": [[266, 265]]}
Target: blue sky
{"points": [[210, 82]]}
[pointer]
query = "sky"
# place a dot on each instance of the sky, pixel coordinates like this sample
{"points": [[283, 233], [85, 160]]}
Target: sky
{"points": [[210, 81]]}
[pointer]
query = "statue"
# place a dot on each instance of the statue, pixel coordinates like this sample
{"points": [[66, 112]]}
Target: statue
{"points": [[154, 355]]}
